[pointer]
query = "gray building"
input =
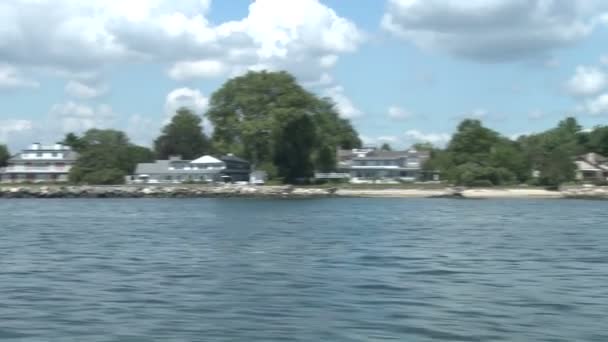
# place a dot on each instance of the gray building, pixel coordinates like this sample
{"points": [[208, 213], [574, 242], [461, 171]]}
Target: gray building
{"points": [[206, 169], [40, 164]]}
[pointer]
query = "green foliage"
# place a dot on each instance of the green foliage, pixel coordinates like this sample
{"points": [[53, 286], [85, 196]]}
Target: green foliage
{"points": [[386, 147], [183, 137], [249, 114], [106, 157], [73, 141], [425, 146], [552, 152], [293, 156], [478, 156], [4, 155]]}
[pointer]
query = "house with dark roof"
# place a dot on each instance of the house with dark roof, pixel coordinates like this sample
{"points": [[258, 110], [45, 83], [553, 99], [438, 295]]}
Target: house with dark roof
{"points": [[40, 164], [591, 167], [206, 169], [372, 165]]}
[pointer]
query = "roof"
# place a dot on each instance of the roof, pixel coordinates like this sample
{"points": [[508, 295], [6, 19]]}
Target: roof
{"points": [[162, 167], [392, 155], [68, 155], [206, 160], [234, 159]]}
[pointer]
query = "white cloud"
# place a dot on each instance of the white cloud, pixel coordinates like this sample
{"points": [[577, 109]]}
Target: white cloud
{"points": [[493, 30], [438, 139], [12, 126], [587, 81], [604, 59], [345, 106], [189, 98], [72, 36], [11, 78], [598, 105], [197, 69], [398, 113], [76, 117], [85, 91]]}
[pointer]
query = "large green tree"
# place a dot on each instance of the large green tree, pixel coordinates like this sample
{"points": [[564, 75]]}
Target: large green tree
{"points": [[477, 155], [106, 157], [293, 156], [4, 155], [551, 153], [183, 136], [249, 114]]}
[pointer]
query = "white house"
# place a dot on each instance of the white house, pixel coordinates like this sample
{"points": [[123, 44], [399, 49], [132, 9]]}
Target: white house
{"points": [[40, 164], [370, 165]]}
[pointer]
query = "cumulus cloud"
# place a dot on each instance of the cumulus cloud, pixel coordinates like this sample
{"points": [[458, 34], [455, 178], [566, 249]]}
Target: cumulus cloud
{"points": [[598, 105], [438, 139], [11, 78], [77, 117], [82, 90], [398, 113], [345, 106], [192, 99], [493, 30], [587, 81], [197, 69], [13, 126], [189, 98], [72, 36]]}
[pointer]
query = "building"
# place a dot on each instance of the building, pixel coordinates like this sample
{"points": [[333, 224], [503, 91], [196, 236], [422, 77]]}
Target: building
{"points": [[40, 164], [206, 169], [591, 167], [372, 165]]}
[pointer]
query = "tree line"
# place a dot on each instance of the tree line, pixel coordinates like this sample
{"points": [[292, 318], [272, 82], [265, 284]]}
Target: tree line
{"points": [[479, 156], [289, 132], [265, 117]]}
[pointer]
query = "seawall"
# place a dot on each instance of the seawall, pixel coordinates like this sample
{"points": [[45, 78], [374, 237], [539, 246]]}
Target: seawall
{"points": [[193, 191]]}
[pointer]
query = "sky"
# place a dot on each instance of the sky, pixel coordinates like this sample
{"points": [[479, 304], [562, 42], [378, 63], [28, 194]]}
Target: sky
{"points": [[404, 71]]}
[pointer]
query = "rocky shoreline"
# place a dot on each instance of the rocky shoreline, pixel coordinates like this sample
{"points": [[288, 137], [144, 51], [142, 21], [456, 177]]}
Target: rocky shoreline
{"points": [[244, 191]]}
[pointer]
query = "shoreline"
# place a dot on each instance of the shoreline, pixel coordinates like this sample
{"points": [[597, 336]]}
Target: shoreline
{"points": [[287, 191]]}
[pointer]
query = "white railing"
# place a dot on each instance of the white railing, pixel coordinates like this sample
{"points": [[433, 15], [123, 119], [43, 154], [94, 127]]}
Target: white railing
{"points": [[331, 175], [36, 169]]}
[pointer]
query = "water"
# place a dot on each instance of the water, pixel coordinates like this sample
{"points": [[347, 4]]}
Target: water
{"points": [[309, 270]]}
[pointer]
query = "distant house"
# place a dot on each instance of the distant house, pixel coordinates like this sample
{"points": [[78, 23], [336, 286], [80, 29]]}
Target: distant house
{"points": [[591, 167], [206, 169], [372, 165], [40, 164]]}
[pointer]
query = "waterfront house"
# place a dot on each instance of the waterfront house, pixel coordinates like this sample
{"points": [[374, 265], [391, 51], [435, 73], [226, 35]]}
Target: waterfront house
{"points": [[370, 165], [40, 164], [591, 167], [206, 169]]}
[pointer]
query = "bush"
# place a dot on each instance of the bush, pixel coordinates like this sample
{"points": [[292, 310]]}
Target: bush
{"points": [[105, 177], [481, 183]]}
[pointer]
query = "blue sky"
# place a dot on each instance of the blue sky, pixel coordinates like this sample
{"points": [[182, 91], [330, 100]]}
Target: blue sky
{"points": [[403, 71]]}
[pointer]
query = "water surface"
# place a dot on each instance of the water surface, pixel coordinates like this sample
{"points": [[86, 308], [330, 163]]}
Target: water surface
{"points": [[303, 270]]}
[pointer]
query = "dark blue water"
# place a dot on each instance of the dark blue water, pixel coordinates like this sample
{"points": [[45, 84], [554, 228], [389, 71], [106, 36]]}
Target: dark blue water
{"points": [[311, 270]]}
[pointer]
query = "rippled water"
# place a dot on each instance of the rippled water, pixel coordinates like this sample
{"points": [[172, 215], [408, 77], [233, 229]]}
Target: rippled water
{"points": [[310, 270]]}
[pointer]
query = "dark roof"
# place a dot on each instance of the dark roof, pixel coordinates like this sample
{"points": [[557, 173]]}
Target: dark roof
{"points": [[233, 159]]}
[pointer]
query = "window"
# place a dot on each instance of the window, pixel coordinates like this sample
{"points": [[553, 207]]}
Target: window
{"points": [[39, 154]]}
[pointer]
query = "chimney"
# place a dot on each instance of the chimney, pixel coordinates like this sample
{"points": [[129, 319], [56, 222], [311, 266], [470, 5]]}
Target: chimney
{"points": [[35, 146], [59, 146]]}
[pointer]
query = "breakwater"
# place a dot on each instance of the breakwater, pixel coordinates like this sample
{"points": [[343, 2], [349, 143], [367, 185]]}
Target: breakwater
{"points": [[287, 191]]}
